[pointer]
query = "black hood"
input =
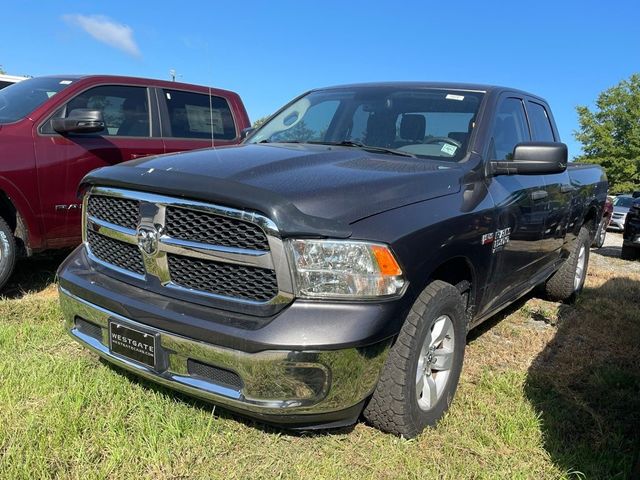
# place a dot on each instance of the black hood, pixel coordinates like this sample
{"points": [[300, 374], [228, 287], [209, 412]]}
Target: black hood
{"points": [[305, 189]]}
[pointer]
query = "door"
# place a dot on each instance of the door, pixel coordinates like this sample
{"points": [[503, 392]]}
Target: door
{"points": [[558, 185], [62, 161], [195, 120], [521, 207]]}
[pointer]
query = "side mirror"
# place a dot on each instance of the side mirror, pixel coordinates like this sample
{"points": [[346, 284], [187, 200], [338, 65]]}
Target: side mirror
{"points": [[245, 132], [533, 158], [81, 120]]}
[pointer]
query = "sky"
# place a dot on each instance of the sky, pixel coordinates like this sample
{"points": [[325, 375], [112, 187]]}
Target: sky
{"points": [[566, 51]]}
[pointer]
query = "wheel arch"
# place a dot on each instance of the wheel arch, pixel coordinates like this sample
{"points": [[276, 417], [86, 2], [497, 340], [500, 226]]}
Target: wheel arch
{"points": [[459, 272], [14, 218]]}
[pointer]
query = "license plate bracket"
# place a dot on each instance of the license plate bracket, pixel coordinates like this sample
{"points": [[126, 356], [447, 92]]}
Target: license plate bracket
{"points": [[133, 343]]}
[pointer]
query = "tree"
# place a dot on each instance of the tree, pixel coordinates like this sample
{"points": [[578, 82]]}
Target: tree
{"points": [[2, 72], [259, 122], [610, 134]]}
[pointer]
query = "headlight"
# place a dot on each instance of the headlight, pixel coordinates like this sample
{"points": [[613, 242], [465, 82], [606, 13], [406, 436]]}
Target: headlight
{"points": [[344, 269]]}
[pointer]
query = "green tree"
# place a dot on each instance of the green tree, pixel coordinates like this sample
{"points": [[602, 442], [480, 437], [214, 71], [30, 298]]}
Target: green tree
{"points": [[259, 122], [610, 134], [2, 72]]}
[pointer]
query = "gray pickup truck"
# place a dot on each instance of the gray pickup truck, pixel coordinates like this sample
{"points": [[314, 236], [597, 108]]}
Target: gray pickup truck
{"points": [[333, 264]]}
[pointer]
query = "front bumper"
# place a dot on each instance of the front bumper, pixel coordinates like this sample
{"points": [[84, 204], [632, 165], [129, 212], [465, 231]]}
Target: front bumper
{"points": [[314, 385], [617, 224]]}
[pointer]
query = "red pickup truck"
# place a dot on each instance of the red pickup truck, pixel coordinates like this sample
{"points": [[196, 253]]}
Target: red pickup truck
{"points": [[55, 129]]}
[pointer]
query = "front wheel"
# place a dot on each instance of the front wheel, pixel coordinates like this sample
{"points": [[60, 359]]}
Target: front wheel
{"points": [[421, 373], [7, 253], [567, 282]]}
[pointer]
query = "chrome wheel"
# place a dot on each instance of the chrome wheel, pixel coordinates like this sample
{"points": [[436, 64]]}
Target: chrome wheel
{"points": [[580, 264], [434, 364]]}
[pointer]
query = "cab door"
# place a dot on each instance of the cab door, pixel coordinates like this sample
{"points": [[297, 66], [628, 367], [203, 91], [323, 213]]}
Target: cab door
{"points": [[521, 207], [558, 185], [63, 160]]}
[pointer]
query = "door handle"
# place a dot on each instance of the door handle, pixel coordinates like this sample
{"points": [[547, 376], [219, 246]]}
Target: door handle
{"points": [[566, 188], [139, 155], [539, 195]]}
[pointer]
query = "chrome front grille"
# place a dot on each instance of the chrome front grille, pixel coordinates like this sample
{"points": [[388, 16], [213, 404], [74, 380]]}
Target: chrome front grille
{"points": [[119, 211], [122, 255], [214, 230], [251, 283], [187, 249]]}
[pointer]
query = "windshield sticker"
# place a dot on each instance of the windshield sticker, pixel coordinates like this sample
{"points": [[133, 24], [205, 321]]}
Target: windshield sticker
{"points": [[449, 149], [451, 96], [168, 95], [65, 82]]}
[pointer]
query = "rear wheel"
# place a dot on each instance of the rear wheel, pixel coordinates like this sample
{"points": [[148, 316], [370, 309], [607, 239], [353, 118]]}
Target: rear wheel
{"points": [[7, 252], [421, 374], [601, 234], [567, 282]]}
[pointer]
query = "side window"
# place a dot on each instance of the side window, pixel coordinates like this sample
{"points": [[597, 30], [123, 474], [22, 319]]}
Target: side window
{"points": [[509, 129], [540, 123], [125, 109], [194, 115]]}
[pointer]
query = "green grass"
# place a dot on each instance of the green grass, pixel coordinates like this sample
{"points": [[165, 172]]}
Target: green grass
{"points": [[547, 392]]}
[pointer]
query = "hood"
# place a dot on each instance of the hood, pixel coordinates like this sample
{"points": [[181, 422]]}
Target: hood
{"points": [[619, 209], [303, 188]]}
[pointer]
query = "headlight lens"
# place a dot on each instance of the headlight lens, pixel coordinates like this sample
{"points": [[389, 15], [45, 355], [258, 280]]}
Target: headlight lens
{"points": [[344, 269]]}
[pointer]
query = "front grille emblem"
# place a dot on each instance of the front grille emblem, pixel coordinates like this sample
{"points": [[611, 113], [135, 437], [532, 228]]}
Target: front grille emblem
{"points": [[148, 239]]}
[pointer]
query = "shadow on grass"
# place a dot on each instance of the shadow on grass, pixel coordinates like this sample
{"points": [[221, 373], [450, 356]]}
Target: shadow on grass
{"points": [[223, 412], [609, 251], [585, 384], [34, 274]]}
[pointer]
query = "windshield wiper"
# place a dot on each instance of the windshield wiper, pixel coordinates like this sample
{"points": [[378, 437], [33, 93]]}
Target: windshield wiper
{"points": [[371, 148]]}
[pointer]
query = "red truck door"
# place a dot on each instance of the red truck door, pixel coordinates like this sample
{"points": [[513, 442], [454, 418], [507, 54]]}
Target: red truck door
{"points": [[193, 117], [62, 160]]}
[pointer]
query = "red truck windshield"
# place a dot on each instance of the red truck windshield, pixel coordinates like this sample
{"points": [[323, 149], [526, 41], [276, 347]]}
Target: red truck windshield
{"points": [[20, 99]]}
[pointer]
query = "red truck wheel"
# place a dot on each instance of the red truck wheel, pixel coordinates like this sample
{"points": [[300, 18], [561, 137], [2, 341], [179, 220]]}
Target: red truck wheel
{"points": [[7, 252]]}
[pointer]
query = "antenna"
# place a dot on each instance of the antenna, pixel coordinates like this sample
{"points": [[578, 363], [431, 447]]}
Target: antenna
{"points": [[213, 145], [173, 74]]}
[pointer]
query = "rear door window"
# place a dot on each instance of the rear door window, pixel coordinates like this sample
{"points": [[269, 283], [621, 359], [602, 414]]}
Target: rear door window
{"points": [[198, 115], [540, 123]]}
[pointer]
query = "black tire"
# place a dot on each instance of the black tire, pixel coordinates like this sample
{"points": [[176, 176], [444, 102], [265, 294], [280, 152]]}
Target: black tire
{"points": [[601, 234], [629, 253], [562, 284], [8, 253], [394, 406]]}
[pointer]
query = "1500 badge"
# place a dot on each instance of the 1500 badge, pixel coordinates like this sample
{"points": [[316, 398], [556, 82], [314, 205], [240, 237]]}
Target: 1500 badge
{"points": [[498, 239]]}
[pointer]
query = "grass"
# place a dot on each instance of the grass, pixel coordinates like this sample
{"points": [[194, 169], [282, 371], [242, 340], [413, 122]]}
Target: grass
{"points": [[548, 391]]}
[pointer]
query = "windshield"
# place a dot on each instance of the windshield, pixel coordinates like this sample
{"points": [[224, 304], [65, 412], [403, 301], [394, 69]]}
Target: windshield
{"points": [[20, 99], [625, 202], [422, 122]]}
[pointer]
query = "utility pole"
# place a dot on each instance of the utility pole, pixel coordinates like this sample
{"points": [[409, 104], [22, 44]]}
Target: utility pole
{"points": [[172, 74]]}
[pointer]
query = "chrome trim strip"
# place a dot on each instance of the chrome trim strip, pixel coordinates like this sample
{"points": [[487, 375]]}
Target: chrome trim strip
{"points": [[152, 209], [274, 381]]}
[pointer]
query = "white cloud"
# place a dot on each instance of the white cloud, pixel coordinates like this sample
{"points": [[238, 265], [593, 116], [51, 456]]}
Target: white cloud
{"points": [[107, 31]]}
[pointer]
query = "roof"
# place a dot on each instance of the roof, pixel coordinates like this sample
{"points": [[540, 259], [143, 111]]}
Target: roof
{"points": [[475, 87]]}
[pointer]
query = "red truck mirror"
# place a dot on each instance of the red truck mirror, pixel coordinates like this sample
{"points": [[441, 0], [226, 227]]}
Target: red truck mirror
{"points": [[533, 158], [80, 120]]}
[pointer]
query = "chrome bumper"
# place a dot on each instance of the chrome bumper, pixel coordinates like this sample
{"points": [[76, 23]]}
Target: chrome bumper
{"points": [[273, 382]]}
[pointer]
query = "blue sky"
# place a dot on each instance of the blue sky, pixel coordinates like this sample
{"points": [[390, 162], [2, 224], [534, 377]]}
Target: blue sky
{"points": [[566, 51]]}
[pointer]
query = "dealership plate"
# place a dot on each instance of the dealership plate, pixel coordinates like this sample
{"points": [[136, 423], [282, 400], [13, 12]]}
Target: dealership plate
{"points": [[133, 344]]}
